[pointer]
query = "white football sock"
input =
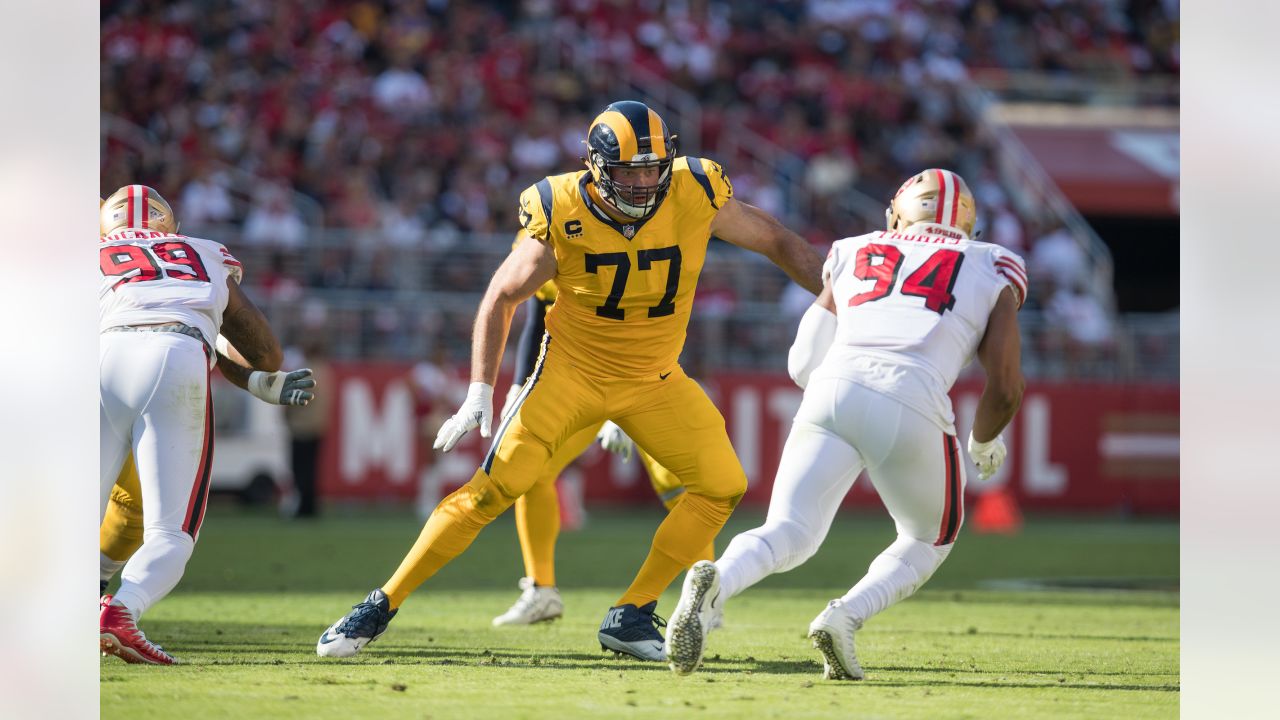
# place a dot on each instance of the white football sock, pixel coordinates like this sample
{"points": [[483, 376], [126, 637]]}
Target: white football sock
{"points": [[155, 569], [893, 576], [107, 568]]}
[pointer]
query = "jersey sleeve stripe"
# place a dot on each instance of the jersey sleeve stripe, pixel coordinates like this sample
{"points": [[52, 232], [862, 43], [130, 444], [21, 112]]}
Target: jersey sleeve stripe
{"points": [[1012, 267], [695, 167], [544, 195], [1013, 275]]}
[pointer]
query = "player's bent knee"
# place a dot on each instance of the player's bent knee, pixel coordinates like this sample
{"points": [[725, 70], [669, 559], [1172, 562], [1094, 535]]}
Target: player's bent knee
{"points": [[174, 538], [488, 498], [790, 542], [922, 557]]}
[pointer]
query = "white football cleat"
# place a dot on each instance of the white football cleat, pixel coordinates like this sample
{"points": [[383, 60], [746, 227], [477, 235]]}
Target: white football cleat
{"points": [[832, 634], [536, 604], [699, 603]]}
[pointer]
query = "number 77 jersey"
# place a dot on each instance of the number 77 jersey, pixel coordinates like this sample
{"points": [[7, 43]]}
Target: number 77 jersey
{"points": [[625, 290], [911, 308]]}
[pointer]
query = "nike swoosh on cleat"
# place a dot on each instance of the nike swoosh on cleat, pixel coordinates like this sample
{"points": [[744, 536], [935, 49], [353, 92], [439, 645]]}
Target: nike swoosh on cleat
{"points": [[325, 639]]}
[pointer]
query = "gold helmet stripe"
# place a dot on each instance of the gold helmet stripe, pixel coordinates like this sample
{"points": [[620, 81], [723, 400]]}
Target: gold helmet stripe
{"points": [[628, 144], [657, 140]]}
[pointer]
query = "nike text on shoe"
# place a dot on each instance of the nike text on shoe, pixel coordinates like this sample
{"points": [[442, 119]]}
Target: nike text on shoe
{"points": [[365, 623], [699, 604], [634, 631], [832, 634], [118, 635], [536, 604]]}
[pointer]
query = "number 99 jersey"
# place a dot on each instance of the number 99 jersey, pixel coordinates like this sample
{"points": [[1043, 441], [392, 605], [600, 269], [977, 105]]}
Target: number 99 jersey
{"points": [[911, 308], [625, 289], [152, 277]]}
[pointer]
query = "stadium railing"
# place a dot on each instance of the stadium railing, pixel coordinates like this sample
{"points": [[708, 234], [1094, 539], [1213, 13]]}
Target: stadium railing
{"points": [[375, 301]]}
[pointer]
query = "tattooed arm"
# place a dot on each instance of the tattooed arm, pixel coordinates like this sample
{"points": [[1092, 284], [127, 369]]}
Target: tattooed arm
{"points": [[253, 345]]}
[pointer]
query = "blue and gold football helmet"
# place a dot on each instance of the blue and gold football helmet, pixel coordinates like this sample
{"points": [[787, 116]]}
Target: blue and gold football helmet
{"points": [[629, 134]]}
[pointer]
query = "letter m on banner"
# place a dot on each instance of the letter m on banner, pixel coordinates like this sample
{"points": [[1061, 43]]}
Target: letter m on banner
{"points": [[376, 431]]}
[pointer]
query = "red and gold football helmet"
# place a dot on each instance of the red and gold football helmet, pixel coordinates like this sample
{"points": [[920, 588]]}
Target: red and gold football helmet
{"points": [[933, 196], [138, 207]]}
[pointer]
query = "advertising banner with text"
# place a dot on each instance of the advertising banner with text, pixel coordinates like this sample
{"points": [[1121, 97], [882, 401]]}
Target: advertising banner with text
{"points": [[1072, 446]]}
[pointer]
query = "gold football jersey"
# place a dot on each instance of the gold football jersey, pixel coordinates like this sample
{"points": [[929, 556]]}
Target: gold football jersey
{"points": [[625, 289]]}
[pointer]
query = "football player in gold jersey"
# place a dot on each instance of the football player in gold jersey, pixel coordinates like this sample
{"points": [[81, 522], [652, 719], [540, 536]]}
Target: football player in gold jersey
{"points": [[625, 241], [538, 510]]}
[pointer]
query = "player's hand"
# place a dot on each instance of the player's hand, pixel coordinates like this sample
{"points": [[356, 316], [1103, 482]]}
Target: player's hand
{"points": [[476, 410], [512, 394], [615, 441], [988, 456], [283, 388]]}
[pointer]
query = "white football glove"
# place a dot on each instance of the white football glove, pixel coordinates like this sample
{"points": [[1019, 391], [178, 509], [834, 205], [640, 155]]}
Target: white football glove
{"points": [[615, 441], [512, 394], [283, 388], [476, 410], [988, 456]]}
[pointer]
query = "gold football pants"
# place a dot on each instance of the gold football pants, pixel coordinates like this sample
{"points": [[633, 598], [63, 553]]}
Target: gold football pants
{"points": [[667, 415]]}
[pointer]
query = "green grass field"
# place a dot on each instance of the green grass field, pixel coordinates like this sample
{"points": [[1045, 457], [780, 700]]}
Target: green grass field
{"points": [[990, 636]]}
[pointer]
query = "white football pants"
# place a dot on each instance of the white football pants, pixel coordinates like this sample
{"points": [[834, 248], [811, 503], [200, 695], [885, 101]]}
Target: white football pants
{"points": [[840, 429], [155, 400]]}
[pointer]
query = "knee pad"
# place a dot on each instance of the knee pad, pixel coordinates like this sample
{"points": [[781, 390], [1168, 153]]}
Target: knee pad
{"points": [[487, 497], [921, 557], [790, 542], [177, 539]]}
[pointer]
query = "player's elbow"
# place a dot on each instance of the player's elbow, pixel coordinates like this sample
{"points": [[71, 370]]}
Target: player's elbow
{"points": [[272, 358], [267, 356], [798, 367]]}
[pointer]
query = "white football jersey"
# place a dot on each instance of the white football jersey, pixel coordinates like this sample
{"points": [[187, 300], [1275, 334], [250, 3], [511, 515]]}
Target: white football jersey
{"points": [[911, 308], [154, 277]]}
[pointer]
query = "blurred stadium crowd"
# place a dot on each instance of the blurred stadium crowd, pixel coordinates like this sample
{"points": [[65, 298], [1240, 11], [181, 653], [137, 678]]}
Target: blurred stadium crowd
{"points": [[364, 158]]}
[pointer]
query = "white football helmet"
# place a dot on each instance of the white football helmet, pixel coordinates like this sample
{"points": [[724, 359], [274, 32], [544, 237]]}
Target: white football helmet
{"points": [[138, 207], [933, 196]]}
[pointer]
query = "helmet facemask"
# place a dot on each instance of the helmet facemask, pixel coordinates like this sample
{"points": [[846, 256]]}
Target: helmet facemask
{"points": [[632, 200]]}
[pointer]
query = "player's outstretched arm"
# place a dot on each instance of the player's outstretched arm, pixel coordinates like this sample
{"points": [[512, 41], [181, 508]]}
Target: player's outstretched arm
{"points": [[525, 270], [261, 376], [750, 227], [1000, 354], [813, 338], [244, 325]]}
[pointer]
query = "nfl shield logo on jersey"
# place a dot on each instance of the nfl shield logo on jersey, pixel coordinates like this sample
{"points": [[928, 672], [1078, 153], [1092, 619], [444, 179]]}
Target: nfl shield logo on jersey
{"points": [[629, 231]]}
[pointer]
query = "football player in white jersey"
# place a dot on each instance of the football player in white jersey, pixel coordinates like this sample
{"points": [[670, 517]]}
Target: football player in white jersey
{"points": [[163, 300], [902, 311], [121, 529]]}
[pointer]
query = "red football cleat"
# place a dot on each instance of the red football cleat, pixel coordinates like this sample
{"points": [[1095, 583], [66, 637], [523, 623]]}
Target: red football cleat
{"points": [[118, 635]]}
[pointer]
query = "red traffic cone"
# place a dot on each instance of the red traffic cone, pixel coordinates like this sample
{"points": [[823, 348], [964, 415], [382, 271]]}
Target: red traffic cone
{"points": [[996, 511]]}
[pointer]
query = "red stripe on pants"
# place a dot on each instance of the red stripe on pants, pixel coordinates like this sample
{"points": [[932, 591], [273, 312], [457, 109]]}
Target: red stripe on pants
{"points": [[200, 485], [953, 504]]}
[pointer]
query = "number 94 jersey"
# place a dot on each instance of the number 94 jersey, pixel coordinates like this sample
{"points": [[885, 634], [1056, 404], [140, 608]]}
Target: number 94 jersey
{"points": [[911, 308], [625, 289], [153, 277]]}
